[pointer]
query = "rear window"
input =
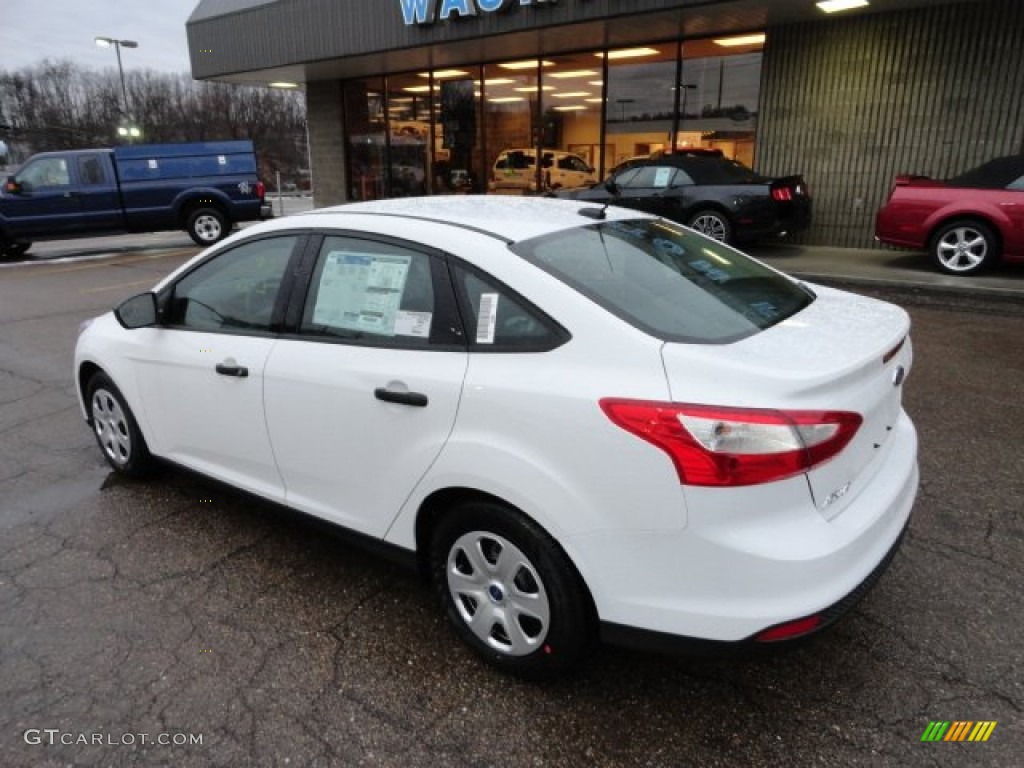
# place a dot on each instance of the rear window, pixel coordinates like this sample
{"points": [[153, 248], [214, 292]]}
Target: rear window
{"points": [[667, 280]]}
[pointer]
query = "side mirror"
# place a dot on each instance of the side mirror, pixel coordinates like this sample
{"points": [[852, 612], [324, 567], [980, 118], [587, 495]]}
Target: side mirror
{"points": [[11, 186], [612, 188], [138, 311]]}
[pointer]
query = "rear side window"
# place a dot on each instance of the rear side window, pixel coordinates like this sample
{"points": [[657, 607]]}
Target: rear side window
{"points": [[670, 282]]}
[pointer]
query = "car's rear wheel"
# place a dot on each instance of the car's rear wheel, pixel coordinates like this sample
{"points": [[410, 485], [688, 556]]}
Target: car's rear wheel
{"points": [[509, 591], [115, 428], [206, 226], [964, 247], [712, 223]]}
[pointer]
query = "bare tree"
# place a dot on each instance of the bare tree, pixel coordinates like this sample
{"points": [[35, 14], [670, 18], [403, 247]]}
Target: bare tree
{"points": [[57, 105]]}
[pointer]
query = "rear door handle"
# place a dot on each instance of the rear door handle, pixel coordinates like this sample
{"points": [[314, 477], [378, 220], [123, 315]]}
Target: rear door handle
{"points": [[417, 399], [231, 368]]}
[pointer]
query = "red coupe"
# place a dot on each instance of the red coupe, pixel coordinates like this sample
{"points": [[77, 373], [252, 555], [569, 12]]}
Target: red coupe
{"points": [[966, 223]]}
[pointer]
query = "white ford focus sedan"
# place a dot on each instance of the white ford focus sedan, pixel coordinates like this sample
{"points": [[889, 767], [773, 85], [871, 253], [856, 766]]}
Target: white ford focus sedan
{"points": [[580, 423]]}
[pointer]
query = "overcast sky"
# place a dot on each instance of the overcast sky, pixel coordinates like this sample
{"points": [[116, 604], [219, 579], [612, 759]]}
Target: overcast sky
{"points": [[33, 30]]}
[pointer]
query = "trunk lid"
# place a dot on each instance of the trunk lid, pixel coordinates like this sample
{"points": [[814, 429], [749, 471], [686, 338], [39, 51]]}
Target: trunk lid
{"points": [[841, 353]]}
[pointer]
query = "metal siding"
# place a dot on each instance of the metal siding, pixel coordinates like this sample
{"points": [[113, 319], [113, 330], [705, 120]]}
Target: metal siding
{"points": [[852, 102]]}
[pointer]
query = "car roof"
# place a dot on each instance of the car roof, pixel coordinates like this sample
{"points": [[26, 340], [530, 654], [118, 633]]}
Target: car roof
{"points": [[512, 219]]}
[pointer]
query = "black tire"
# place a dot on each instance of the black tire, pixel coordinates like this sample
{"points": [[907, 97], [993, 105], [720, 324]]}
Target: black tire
{"points": [[964, 247], [553, 628], [115, 428], [207, 226], [712, 223], [15, 250]]}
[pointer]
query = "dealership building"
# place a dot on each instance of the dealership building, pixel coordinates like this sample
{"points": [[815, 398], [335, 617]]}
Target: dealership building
{"points": [[409, 97]]}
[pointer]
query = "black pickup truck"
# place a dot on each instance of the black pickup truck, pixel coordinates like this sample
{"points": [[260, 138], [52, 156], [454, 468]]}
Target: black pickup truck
{"points": [[202, 188]]}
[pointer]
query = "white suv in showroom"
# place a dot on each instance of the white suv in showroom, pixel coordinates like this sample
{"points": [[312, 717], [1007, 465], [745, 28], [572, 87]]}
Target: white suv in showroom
{"points": [[517, 169]]}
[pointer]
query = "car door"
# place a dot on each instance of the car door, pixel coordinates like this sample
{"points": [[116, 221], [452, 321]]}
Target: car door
{"points": [[361, 398], [45, 200], [99, 200], [201, 372], [650, 188]]}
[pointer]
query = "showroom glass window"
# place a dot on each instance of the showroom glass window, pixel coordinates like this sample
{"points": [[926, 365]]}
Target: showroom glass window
{"points": [[409, 131], [236, 290], [721, 86], [641, 101], [367, 139], [571, 88], [511, 111]]}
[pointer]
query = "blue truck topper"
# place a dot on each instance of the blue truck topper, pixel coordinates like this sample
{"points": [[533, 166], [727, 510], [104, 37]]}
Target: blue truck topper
{"points": [[145, 162]]}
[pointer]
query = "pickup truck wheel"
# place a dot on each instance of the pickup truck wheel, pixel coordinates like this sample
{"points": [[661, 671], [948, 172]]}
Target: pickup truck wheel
{"points": [[963, 247], [16, 250], [206, 226]]}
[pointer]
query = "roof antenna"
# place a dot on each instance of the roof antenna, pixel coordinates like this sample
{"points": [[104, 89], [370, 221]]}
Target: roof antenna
{"points": [[599, 213]]}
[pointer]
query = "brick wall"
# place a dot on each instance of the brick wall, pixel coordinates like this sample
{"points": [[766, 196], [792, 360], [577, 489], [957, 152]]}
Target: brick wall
{"points": [[326, 141]]}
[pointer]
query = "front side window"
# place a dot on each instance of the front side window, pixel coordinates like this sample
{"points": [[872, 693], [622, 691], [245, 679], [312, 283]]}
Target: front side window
{"points": [[668, 281], [45, 172], [370, 291], [235, 290]]}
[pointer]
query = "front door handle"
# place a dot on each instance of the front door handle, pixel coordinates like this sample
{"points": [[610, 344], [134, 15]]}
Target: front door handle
{"points": [[231, 368], [417, 399]]}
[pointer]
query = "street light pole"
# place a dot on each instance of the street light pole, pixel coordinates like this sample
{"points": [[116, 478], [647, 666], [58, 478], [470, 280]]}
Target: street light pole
{"points": [[106, 42]]}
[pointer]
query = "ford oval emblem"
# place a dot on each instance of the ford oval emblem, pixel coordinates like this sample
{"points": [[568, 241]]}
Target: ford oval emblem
{"points": [[898, 376]]}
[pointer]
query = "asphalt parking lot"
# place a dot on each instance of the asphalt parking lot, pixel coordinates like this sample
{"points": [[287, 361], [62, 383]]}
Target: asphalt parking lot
{"points": [[178, 610]]}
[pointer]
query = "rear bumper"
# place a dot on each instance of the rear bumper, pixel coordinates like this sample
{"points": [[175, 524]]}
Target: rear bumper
{"points": [[748, 563], [266, 211], [662, 642]]}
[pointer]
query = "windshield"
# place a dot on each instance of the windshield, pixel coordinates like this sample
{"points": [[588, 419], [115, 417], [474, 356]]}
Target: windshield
{"points": [[667, 280]]}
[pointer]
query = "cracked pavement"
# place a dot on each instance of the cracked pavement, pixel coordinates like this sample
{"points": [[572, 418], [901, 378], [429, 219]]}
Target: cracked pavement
{"points": [[179, 606]]}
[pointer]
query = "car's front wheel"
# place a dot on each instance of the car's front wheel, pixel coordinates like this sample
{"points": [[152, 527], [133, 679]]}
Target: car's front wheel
{"points": [[964, 247], [115, 428], [509, 591], [712, 223]]}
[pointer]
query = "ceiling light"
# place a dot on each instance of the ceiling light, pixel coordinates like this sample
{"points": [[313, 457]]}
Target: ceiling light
{"points": [[420, 88], [284, 85], [595, 82], [572, 73], [629, 53], [443, 73], [834, 6], [500, 81], [732, 42], [594, 101], [571, 95], [506, 99], [573, 108], [526, 64], [534, 88]]}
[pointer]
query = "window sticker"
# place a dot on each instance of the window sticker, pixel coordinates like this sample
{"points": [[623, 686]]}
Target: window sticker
{"points": [[152, 164], [361, 291], [415, 324], [222, 160], [662, 176], [486, 318]]}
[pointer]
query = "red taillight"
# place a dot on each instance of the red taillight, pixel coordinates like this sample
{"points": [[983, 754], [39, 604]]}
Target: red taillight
{"points": [[720, 446], [789, 630], [782, 194], [261, 190]]}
